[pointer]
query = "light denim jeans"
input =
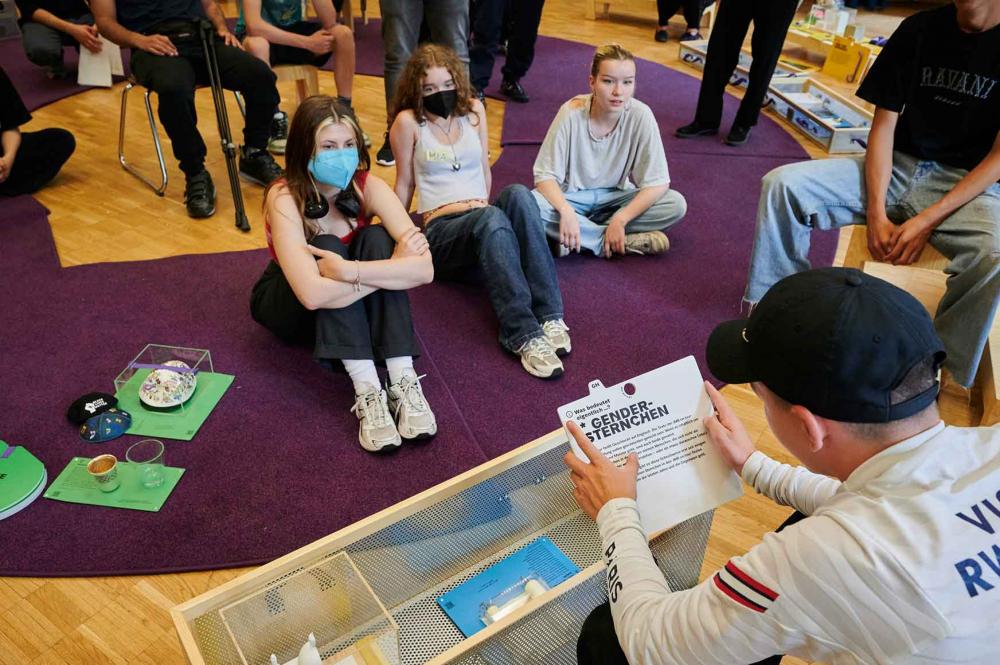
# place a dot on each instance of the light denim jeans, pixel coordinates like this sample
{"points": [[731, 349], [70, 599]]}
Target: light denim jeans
{"points": [[830, 193], [594, 208]]}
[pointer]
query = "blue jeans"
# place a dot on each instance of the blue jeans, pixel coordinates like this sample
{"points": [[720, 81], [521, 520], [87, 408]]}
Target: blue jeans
{"points": [[830, 193], [448, 21], [594, 208], [504, 246]]}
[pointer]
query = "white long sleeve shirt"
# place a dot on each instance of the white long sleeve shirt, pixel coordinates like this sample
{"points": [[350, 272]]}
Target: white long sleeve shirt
{"points": [[898, 564]]}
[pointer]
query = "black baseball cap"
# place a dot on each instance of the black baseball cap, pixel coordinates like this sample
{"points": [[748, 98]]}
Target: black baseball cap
{"points": [[836, 341], [88, 406]]}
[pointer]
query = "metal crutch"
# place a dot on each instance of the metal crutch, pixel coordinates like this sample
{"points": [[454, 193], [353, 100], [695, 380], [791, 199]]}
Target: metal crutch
{"points": [[207, 31]]}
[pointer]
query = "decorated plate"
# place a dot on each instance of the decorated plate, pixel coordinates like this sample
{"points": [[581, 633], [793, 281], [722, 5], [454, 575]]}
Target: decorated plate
{"points": [[164, 388]]}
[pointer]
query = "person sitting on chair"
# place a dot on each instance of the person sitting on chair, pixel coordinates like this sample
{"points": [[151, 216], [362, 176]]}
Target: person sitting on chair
{"points": [[28, 160], [168, 58], [439, 137], [929, 174], [276, 32], [892, 556], [601, 175], [339, 281], [49, 25]]}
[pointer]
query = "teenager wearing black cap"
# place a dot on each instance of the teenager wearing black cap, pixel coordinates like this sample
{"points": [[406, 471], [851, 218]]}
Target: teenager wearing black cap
{"points": [[895, 552], [929, 175]]}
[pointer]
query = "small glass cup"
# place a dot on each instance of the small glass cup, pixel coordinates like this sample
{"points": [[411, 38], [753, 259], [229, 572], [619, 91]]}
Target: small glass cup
{"points": [[147, 456]]}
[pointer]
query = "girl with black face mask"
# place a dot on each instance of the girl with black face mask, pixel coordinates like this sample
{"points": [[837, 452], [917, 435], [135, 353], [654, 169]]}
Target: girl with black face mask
{"points": [[440, 140]]}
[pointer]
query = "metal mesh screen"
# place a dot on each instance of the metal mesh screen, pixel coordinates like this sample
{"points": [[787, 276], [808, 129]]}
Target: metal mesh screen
{"points": [[328, 599], [411, 562]]}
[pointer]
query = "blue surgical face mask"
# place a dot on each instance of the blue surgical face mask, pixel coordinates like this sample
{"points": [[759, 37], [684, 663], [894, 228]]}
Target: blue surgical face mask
{"points": [[335, 167]]}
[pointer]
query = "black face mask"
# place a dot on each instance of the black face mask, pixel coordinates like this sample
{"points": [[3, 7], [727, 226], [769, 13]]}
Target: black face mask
{"points": [[441, 103]]}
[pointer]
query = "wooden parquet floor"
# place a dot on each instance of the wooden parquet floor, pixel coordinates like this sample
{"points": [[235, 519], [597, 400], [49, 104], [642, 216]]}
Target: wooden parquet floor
{"points": [[99, 213]]}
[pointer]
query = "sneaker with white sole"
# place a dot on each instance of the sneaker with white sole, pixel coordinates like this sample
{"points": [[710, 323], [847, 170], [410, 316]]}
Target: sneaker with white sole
{"points": [[279, 134], [539, 358], [647, 242], [377, 432], [557, 335], [414, 418]]}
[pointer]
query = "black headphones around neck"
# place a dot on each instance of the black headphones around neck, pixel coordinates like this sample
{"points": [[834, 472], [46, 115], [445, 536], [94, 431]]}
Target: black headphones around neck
{"points": [[317, 207]]}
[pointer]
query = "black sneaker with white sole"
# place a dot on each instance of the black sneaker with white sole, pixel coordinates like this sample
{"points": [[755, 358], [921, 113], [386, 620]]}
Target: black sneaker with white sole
{"points": [[384, 155], [258, 166], [199, 195], [279, 133]]}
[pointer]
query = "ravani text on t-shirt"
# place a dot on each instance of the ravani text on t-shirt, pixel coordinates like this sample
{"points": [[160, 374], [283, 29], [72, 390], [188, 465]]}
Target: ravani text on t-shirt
{"points": [[953, 80]]}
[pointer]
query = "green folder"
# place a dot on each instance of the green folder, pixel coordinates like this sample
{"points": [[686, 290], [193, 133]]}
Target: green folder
{"points": [[181, 422], [75, 485]]}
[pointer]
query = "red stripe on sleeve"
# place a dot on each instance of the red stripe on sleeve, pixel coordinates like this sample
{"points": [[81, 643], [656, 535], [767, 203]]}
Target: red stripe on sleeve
{"points": [[750, 582], [724, 588]]}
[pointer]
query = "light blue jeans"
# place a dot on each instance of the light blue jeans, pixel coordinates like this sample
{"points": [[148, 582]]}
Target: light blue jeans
{"points": [[594, 208], [830, 193]]}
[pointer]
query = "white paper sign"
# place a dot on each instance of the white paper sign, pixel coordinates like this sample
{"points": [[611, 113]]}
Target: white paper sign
{"points": [[96, 69], [659, 415]]}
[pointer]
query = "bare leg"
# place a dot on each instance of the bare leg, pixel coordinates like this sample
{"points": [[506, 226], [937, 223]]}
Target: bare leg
{"points": [[343, 53]]}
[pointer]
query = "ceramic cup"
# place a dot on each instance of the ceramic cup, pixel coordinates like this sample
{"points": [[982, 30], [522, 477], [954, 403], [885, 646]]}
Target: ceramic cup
{"points": [[104, 470]]}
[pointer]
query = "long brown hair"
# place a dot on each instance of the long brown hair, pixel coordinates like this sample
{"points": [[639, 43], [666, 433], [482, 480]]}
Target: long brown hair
{"points": [[409, 88], [313, 113]]}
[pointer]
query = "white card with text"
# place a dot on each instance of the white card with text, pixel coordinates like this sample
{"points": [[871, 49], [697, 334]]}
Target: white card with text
{"points": [[659, 416]]}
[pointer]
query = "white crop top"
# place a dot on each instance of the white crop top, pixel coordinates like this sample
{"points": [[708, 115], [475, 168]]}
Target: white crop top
{"points": [[448, 173]]}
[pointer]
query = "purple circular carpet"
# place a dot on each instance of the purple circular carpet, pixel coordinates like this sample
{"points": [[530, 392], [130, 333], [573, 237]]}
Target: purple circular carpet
{"points": [[277, 464]]}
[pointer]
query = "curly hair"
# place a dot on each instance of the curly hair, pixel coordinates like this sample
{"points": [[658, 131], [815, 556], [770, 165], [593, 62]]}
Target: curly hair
{"points": [[313, 114], [409, 88]]}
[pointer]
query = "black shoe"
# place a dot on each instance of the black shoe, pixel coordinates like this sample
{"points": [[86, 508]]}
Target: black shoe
{"points": [[502, 47], [279, 133], [660, 35], [199, 195], [384, 155], [258, 166], [480, 95], [737, 135], [512, 90], [367, 140], [690, 37], [695, 129]]}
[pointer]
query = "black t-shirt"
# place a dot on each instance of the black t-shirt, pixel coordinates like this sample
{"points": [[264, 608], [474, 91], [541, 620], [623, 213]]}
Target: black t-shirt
{"points": [[64, 9], [12, 111], [140, 15], [944, 83]]}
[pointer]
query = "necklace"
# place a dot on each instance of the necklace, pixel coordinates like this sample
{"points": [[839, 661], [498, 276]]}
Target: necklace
{"points": [[590, 129], [455, 164]]}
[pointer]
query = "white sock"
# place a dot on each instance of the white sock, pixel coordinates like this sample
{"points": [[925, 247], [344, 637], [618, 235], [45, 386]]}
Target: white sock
{"points": [[362, 371], [397, 366]]}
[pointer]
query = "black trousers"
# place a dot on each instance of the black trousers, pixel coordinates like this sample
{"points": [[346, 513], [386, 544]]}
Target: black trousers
{"points": [[38, 160], [771, 19], [378, 326], [522, 33], [692, 11], [598, 643], [174, 79]]}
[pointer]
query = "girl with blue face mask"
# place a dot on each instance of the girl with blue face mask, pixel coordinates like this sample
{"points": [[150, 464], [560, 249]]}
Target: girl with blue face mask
{"points": [[337, 281]]}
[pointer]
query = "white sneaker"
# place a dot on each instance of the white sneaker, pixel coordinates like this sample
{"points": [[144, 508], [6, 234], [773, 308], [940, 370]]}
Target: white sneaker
{"points": [[646, 242], [414, 418], [557, 335], [539, 359], [377, 431]]}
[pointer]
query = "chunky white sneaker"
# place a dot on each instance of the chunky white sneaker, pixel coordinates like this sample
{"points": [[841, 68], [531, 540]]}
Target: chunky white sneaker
{"points": [[377, 432], [647, 242], [414, 418], [557, 335], [539, 359]]}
